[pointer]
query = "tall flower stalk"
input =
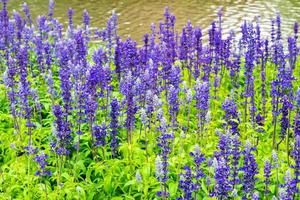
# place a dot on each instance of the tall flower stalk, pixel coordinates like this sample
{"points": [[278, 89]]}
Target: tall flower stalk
{"points": [[202, 104]]}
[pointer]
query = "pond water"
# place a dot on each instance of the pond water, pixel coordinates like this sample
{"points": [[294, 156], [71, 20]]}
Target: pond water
{"points": [[135, 16]]}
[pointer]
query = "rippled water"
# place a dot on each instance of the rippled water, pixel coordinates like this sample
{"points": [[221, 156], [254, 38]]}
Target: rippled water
{"points": [[135, 16]]}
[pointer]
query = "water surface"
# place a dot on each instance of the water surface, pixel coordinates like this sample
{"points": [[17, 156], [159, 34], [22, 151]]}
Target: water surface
{"points": [[136, 16]]}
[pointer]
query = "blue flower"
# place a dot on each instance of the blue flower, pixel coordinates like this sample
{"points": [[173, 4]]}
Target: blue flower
{"points": [[41, 160], [250, 170], [267, 174]]}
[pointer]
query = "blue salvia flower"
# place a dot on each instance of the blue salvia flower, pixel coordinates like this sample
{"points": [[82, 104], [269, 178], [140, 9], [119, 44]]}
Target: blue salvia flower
{"points": [[164, 142], [92, 81], [202, 101], [285, 123], [186, 47], [296, 151], [190, 43], [101, 72], [278, 23], [199, 158], [4, 23], [167, 43], [149, 100], [41, 161], [81, 49], [279, 56], [36, 100], [275, 159], [110, 33], [199, 51], [114, 125], [222, 183], [296, 29], [38, 40], [86, 19], [183, 48], [235, 156], [289, 186], [174, 81], [118, 57], [258, 43], [287, 79], [215, 43], [144, 51], [24, 91], [206, 60], [129, 57], [249, 65], [173, 103], [275, 94], [160, 173], [226, 50], [259, 119], [140, 89], [292, 55], [231, 115], [25, 87], [19, 25], [274, 43], [265, 55], [27, 13], [56, 32], [70, 23], [175, 76], [91, 106], [224, 146], [186, 184], [62, 131], [30, 149], [65, 77], [80, 88], [10, 82], [48, 56], [146, 84], [100, 133], [235, 67], [126, 88], [51, 9], [267, 174], [250, 170]]}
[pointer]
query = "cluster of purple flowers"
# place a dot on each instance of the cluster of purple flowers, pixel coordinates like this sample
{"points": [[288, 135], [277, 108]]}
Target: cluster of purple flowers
{"points": [[231, 115]]}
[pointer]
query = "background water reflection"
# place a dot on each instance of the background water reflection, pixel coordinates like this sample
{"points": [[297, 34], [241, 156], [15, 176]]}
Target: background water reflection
{"points": [[135, 16]]}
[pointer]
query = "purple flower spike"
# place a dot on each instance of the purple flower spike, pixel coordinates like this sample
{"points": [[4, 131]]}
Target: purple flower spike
{"points": [[41, 160], [250, 170], [51, 8], [267, 174], [186, 184]]}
